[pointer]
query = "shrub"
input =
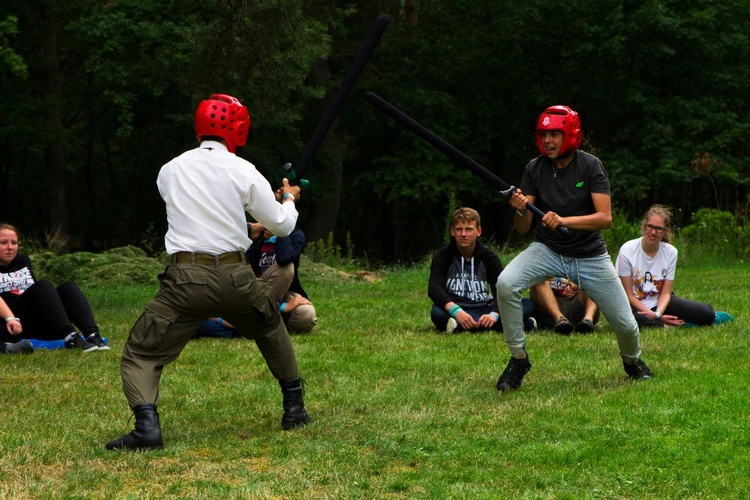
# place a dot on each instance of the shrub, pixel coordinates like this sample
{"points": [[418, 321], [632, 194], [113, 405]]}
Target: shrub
{"points": [[118, 266], [714, 235], [328, 252], [622, 230]]}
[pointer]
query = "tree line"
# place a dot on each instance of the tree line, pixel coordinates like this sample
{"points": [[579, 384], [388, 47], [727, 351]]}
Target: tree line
{"points": [[97, 96]]}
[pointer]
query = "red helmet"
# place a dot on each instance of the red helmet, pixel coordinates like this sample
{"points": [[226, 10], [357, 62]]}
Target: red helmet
{"points": [[223, 116], [564, 119]]}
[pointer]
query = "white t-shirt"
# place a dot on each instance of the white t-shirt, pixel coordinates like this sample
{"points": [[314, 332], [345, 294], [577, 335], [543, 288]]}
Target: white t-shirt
{"points": [[648, 273], [207, 191]]}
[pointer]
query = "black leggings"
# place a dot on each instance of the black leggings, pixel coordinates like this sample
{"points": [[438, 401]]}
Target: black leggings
{"points": [[697, 313], [49, 313]]}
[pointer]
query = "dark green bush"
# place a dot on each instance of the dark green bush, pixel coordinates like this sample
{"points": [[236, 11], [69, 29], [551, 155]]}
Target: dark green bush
{"points": [[715, 235], [118, 266], [622, 230]]}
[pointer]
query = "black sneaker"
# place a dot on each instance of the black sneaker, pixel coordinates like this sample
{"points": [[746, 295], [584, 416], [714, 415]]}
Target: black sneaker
{"points": [[78, 342], [98, 341], [638, 371], [23, 346], [511, 378]]}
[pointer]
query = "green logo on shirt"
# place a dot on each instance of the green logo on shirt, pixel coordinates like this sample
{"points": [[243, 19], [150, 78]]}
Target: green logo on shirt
{"points": [[580, 184]]}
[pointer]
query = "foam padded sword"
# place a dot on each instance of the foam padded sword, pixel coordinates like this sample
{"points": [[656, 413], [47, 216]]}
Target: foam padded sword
{"points": [[504, 189], [294, 173]]}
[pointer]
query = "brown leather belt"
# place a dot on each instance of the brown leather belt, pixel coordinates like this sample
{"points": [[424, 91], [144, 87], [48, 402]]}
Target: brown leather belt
{"points": [[208, 259]]}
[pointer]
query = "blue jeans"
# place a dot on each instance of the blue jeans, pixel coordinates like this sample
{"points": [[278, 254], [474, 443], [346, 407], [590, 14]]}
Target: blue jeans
{"points": [[440, 316], [596, 276]]}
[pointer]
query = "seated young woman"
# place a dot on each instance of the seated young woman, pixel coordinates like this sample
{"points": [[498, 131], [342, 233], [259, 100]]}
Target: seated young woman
{"points": [[647, 266], [46, 312]]}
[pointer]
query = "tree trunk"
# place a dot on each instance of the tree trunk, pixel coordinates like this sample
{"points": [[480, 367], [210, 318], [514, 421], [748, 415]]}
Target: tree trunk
{"points": [[54, 154], [410, 12], [322, 207]]}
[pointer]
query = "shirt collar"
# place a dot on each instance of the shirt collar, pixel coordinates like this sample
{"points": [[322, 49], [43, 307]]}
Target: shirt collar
{"points": [[213, 145]]}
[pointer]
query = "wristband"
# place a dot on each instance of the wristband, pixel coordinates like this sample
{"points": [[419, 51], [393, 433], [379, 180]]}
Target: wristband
{"points": [[12, 319], [522, 214], [219, 321], [282, 306], [454, 310], [495, 315], [658, 315], [287, 195]]}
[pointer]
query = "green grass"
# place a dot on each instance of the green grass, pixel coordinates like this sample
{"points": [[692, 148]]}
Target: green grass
{"points": [[401, 411]]}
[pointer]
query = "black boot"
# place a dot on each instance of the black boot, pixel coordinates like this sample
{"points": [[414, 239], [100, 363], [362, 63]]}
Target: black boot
{"points": [[295, 414], [147, 432]]}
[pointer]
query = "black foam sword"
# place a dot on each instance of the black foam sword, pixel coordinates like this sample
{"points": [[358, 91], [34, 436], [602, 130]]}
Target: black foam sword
{"points": [[504, 189]]}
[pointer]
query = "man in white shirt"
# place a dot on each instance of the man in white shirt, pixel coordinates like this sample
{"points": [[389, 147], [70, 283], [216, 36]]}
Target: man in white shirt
{"points": [[207, 191]]}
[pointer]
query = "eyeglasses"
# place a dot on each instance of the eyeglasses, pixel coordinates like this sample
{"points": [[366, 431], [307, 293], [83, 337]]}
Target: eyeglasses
{"points": [[658, 229]]}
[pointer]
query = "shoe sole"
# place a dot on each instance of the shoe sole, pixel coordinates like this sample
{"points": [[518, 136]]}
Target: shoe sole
{"points": [[584, 327], [506, 387], [564, 328], [451, 326], [18, 350]]}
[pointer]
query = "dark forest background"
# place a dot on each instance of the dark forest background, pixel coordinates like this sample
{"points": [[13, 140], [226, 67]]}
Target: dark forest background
{"points": [[97, 95]]}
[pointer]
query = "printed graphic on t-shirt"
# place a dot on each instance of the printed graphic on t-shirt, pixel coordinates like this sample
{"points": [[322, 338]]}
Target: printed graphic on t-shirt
{"points": [[267, 256], [558, 287], [646, 285], [473, 287], [16, 282], [468, 287]]}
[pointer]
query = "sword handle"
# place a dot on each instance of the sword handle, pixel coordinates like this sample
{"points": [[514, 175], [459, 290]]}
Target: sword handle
{"points": [[507, 193], [292, 176]]}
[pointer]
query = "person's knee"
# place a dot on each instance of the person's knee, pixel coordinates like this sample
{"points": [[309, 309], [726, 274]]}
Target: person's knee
{"points": [[507, 289], [279, 272], [303, 319], [286, 271], [68, 286], [44, 286], [439, 317]]}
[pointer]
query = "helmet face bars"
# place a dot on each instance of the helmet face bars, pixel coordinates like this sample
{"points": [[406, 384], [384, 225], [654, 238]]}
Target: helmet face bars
{"points": [[564, 119], [223, 116]]}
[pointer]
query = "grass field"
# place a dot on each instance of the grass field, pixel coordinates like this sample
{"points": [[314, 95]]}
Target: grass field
{"points": [[401, 411]]}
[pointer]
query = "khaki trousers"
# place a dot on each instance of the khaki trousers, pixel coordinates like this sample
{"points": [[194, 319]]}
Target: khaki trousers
{"points": [[303, 318], [189, 294]]}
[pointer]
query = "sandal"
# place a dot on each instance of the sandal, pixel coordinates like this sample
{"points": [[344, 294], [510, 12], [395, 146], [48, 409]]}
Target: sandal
{"points": [[585, 326], [563, 326]]}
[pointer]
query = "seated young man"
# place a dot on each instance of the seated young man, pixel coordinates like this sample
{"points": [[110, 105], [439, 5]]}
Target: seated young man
{"points": [[563, 306], [462, 280]]}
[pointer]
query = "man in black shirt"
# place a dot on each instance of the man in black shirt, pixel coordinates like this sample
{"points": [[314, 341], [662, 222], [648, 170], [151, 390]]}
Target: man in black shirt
{"points": [[571, 188]]}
